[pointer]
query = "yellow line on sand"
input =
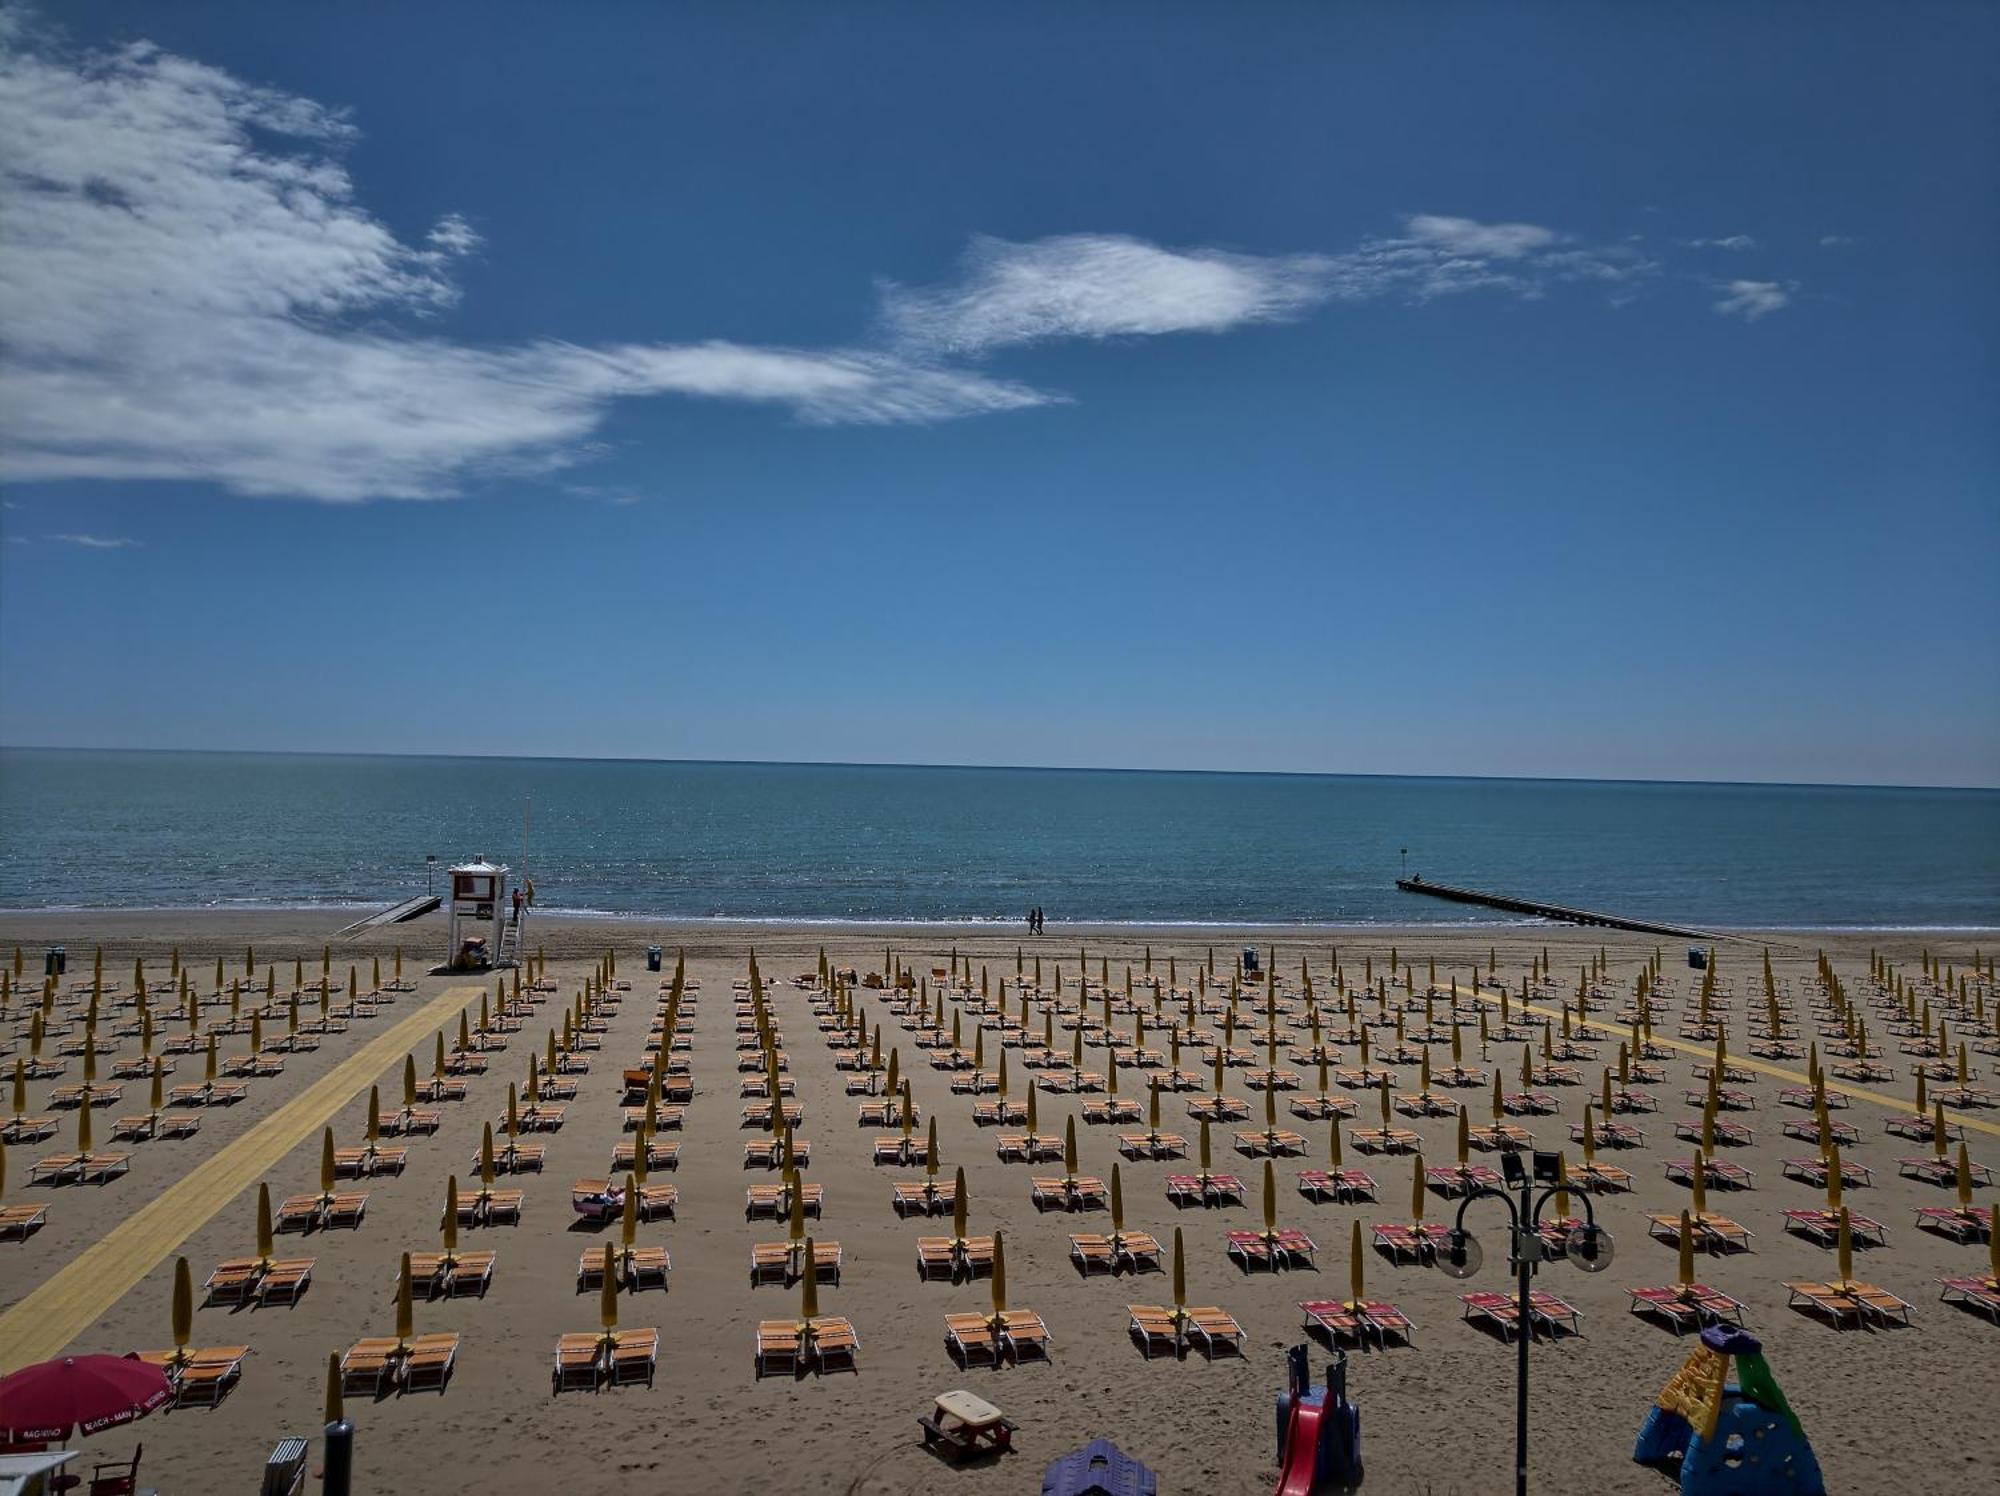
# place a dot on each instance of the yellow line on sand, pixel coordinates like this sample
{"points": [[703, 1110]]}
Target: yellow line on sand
{"points": [[47, 1320], [1903, 1104]]}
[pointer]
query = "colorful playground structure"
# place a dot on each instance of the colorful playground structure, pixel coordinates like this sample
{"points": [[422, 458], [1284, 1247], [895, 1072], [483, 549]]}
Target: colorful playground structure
{"points": [[1319, 1430], [1732, 1438]]}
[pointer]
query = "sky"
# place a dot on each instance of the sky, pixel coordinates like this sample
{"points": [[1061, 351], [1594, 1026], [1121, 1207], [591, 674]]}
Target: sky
{"points": [[1501, 389]]}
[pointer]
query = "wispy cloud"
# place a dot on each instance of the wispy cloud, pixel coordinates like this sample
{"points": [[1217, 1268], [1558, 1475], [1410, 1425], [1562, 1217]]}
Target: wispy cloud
{"points": [[1737, 242], [1099, 286], [1835, 241], [190, 289], [1751, 299], [96, 542]]}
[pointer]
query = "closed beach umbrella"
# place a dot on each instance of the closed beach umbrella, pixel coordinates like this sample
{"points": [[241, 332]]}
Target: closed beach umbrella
{"points": [[326, 1163], [450, 1215], [183, 1308], [1687, 1251], [335, 1411], [267, 1246], [1355, 1267], [1270, 1201], [1180, 1274], [409, 1080], [406, 1309], [809, 1284], [374, 1115], [607, 1302], [1833, 1179], [1069, 1147], [1845, 1248], [1117, 1204], [960, 1207]]}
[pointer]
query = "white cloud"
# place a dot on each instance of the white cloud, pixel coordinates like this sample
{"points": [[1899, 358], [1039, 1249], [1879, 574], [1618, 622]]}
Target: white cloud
{"points": [[1835, 241], [1099, 286], [1750, 299], [96, 542], [1467, 237], [189, 290], [1733, 242]]}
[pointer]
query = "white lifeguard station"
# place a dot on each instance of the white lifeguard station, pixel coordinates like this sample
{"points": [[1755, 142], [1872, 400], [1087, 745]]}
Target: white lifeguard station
{"points": [[485, 923]]}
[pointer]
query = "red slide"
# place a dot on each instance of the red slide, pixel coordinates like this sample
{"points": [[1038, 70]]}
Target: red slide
{"points": [[1301, 1450]]}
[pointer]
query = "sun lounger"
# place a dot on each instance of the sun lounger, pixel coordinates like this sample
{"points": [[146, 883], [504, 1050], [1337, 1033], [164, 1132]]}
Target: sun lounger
{"points": [[413, 1119], [134, 1129], [831, 1343], [428, 1366], [1981, 1295], [1024, 1334], [1384, 1139], [471, 1274], [285, 1281], [1713, 1233], [1838, 1303], [1341, 1185], [1212, 1329], [346, 1208], [1823, 1226], [1686, 1307], [937, 1257], [1971, 1224], [1416, 1242], [1720, 1171], [634, 1354], [1546, 1311], [1155, 1329], [22, 1221], [497, 1206], [210, 1376], [972, 1338], [771, 1262], [233, 1281], [778, 1348], [299, 1212], [579, 1363], [26, 1129], [1151, 1145]]}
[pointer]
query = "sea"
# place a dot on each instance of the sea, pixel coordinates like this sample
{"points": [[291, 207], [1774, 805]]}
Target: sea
{"points": [[792, 843]]}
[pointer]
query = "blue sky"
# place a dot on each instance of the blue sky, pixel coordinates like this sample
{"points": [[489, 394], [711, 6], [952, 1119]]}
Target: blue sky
{"points": [[1558, 390]]}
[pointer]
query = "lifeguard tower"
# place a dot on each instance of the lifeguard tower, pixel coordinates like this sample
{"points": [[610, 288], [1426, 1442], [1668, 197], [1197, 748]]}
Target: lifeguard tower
{"points": [[485, 923]]}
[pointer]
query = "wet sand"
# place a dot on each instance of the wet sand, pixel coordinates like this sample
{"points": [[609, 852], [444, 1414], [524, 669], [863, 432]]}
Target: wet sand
{"points": [[1438, 1416]]}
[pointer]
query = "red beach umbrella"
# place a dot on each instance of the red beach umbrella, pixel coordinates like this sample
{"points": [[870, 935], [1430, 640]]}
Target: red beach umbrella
{"points": [[42, 1403]]}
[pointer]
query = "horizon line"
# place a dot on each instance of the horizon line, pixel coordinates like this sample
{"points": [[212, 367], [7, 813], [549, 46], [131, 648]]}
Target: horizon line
{"points": [[782, 763]]}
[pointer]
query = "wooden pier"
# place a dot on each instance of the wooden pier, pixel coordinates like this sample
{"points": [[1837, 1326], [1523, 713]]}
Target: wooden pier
{"points": [[1558, 912]]}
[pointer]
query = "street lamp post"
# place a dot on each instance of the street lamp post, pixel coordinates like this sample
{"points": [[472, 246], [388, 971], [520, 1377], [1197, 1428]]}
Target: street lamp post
{"points": [[1589, 1247]]}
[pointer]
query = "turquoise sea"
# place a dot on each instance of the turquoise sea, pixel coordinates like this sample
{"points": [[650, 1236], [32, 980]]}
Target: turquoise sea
{"points": [[866, 843]]}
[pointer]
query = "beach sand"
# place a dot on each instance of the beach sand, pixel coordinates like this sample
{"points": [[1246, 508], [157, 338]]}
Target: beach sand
{"points": [[1881, 1407]]}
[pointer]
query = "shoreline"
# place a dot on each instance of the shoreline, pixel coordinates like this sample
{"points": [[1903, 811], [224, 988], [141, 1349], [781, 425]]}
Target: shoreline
{"points": [[843, 925]]}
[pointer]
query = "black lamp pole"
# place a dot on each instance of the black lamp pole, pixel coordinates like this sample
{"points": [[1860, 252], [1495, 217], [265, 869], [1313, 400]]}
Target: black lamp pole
{"points": [[1527, 1250]]}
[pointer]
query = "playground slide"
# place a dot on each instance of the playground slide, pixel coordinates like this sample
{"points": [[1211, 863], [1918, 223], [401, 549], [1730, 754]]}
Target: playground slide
{"points": [[1301, 1450]]}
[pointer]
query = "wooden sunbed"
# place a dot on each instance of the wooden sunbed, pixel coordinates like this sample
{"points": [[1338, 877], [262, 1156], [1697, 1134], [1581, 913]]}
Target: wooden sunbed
{"points": [[285, 1281]]}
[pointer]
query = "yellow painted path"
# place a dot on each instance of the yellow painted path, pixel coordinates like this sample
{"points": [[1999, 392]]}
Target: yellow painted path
{"points": [[47, 1320], [1903, 1104]]}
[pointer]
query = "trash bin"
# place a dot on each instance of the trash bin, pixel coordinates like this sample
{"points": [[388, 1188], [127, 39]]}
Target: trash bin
{"points": [[652, 958], [55, 961], [1697, 958]]}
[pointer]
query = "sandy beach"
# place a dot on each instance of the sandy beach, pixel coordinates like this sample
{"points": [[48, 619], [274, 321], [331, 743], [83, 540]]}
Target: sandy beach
{"points": [[1437, 1414]]}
